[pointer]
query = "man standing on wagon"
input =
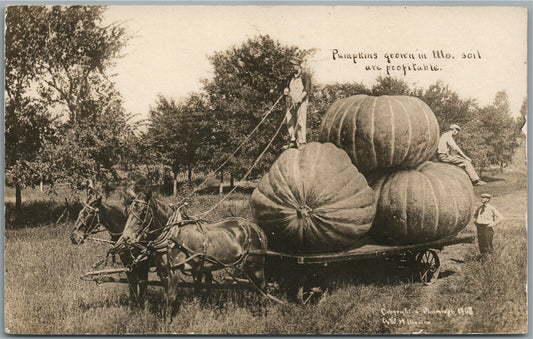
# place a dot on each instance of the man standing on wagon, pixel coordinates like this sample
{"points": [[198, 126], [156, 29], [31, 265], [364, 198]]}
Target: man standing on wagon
{"points": [[297, 95], [448, 151]]}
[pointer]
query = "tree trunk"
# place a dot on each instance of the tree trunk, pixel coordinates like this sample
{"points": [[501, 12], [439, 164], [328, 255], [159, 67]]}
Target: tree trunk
{"points": [[18, 201], [175, 184], [189, 174], [41, 185], [221, 185], [232, 181]]}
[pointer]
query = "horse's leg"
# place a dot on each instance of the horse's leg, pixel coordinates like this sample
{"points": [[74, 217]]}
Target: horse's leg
{"points": [[133, 284], [208, 279], [132, 280], [172, 293], [255, 269], [142, 275], [197, 278], [163, 272]]}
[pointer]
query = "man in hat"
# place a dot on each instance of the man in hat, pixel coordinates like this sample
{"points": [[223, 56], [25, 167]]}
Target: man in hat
{"points": [[485, 218], [448, 151], [297, 95]]}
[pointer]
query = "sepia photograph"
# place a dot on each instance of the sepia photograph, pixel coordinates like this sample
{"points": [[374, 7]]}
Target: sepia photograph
{"points": [[267, 169]]}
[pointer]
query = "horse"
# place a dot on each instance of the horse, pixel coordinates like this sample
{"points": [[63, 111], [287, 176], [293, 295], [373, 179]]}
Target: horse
{"points": [[194, 246], [96, 215]]}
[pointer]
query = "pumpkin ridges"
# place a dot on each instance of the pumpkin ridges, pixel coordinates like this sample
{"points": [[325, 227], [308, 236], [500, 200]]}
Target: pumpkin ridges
{"points": [[311, 172], [349, 191], [423, 207], [417, 134], [346, 137], [270, 204], [372, 131], [348, 216], [353, 135], [382, 142], [373, 140], [427, 117], [431, 139], [341, 120], [463, 182], [331, 117], [408, 128], [286, 197], [435, 181], [453, 198], [326, 186], [392, 133], [434, 212], [320, 172], [346, 226], [363, 138], [366, 195], [335, 121]]}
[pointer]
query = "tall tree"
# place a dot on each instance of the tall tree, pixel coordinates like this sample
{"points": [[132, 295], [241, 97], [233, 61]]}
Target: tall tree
{"points": [[499, 130], [175, 133], [390, 86], [25, 119], [247, 81], [450, 108], [75, 52], [522, 119], [57, 59]]}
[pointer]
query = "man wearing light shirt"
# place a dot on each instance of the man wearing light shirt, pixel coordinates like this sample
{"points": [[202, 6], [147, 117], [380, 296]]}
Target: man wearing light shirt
{"points": [[485, 218], [446, 149], [297, 94]]}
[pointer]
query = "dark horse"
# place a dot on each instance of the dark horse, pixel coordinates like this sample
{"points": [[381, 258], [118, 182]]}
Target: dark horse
{"points": [[197, 247], [96, 216]]}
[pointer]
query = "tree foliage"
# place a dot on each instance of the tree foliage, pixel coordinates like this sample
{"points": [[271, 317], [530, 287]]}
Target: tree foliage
{"points": [[499, 130], [247, 81], [64, 118], [390, 86], [176, 131]]}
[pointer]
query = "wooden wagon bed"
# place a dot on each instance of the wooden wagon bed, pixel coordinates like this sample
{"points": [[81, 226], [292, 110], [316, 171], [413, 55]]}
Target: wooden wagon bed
{"points": [[367, 248]]}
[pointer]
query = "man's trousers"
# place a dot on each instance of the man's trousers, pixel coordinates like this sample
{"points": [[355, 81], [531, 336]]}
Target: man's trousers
{"points": [[463, 163]]}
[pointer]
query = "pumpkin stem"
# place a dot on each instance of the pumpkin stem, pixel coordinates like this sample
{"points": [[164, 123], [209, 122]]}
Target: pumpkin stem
{"points": [[304, 211]]}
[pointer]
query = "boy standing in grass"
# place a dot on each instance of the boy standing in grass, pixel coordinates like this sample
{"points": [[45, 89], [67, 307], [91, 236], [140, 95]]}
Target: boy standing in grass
{"points": [[485, 218]]}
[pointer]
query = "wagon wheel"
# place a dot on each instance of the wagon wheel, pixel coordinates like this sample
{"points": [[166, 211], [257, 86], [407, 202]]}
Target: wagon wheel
{"points": [[428, 266]]}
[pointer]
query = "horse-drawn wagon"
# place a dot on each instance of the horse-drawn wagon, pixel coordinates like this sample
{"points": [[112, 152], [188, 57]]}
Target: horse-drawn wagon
{"points": [[313, 208], [152, 242]]}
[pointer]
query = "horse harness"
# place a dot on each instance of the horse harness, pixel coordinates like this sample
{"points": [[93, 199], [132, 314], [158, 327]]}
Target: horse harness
{"points": [[146, 222], [203, 257], [168, 240]]}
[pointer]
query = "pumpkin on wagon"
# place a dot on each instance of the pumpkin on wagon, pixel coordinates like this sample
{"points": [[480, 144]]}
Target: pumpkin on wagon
{"points": [[366, 191]]}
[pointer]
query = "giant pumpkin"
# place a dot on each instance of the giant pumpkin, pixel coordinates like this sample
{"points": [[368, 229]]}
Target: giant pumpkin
{"points": [[313, 200], [382, 132], [429, 202]]}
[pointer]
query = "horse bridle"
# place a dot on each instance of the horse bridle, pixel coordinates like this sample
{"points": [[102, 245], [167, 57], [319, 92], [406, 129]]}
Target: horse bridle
{"points": [[146, 222], [93, 226]]}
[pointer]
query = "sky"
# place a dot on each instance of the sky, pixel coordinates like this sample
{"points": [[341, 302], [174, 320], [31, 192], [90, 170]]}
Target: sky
{"points": [[168, 52]]}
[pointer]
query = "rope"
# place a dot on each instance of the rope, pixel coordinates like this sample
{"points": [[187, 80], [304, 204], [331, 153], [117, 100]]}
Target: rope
{"points": [[242, 143], [201, 215]]}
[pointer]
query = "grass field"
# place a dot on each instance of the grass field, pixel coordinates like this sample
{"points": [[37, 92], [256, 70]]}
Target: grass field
{"points": [[45, 295]]}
